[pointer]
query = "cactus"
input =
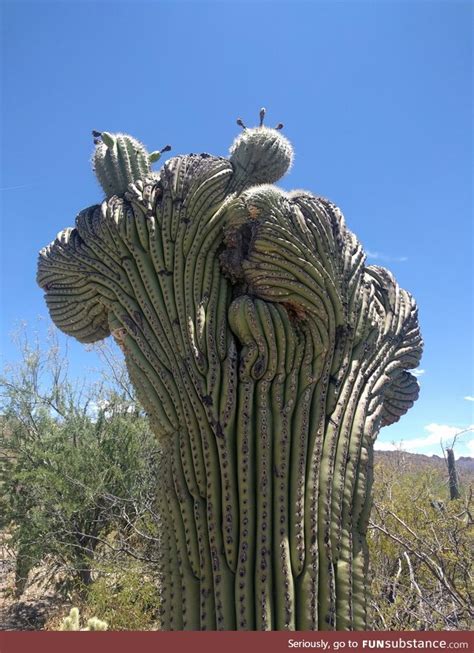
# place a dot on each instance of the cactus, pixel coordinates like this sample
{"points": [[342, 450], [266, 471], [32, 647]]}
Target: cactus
{"points": [[267, 356], [72, 622], [453, 475], [119, 160]]}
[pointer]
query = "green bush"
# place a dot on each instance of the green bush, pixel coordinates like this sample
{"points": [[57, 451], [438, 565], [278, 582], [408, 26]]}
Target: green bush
{"points": [[77, 464], [125, 597], [421, 547]]}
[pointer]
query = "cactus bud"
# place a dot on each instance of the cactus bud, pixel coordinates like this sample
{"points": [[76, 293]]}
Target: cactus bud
{"points": [[154, 156], [108, 139]]}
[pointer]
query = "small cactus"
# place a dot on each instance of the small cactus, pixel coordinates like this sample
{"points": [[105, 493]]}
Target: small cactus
{"points": [[72, 622], [96, 624]]}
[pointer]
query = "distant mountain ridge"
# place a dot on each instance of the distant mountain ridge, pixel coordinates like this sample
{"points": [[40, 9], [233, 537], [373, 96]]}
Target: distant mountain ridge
{"points": [[464, 464]]}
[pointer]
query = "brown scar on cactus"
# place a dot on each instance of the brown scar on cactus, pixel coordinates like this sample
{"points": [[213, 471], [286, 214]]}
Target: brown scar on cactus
{"points": [[295, 312], [267, 356]]}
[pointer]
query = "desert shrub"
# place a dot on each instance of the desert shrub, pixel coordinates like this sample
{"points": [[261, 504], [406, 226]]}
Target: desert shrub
{"points": [[420, 550], [77, 464], [127, 597]]}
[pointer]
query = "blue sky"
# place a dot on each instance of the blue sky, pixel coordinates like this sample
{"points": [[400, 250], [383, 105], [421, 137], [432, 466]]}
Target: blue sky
{"points": [[376, 97]]}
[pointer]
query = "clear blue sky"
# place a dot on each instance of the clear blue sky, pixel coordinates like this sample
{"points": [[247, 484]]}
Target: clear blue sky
{"points": [[376, 97]]}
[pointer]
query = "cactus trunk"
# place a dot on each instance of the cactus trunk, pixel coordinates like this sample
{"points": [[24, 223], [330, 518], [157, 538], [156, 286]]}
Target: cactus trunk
{"points": [[267, 356], [453, 475]]}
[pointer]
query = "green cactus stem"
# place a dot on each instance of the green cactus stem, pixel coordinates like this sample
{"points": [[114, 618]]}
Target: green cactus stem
{"points": [[267, 356], [120, 160], [453, 475], [259, 155]]}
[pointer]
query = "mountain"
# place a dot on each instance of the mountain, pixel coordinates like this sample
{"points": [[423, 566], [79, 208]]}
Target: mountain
{"points": [[413, 461]]}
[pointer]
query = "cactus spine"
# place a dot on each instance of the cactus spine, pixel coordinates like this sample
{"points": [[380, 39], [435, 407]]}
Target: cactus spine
{"points": [[267, 356]]}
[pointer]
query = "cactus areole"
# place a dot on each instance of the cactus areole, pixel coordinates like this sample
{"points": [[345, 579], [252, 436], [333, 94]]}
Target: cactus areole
{"points": [[267, 355]]}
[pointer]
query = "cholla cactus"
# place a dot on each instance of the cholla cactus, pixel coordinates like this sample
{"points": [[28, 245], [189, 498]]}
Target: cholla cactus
{"points": [[268, 356], [96, 624], [72, 622]]}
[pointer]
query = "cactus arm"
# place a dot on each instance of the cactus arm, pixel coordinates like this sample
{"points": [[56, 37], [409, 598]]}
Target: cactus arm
{"points": [[259, 156], [118, 161]]}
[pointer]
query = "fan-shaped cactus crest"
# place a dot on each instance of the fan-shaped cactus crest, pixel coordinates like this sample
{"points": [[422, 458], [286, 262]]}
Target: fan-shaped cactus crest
{"points": [[267, 355]]}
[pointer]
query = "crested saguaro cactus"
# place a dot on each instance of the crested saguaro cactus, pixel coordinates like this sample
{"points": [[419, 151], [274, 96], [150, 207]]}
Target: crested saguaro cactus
{"points": [[267, 356]]}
